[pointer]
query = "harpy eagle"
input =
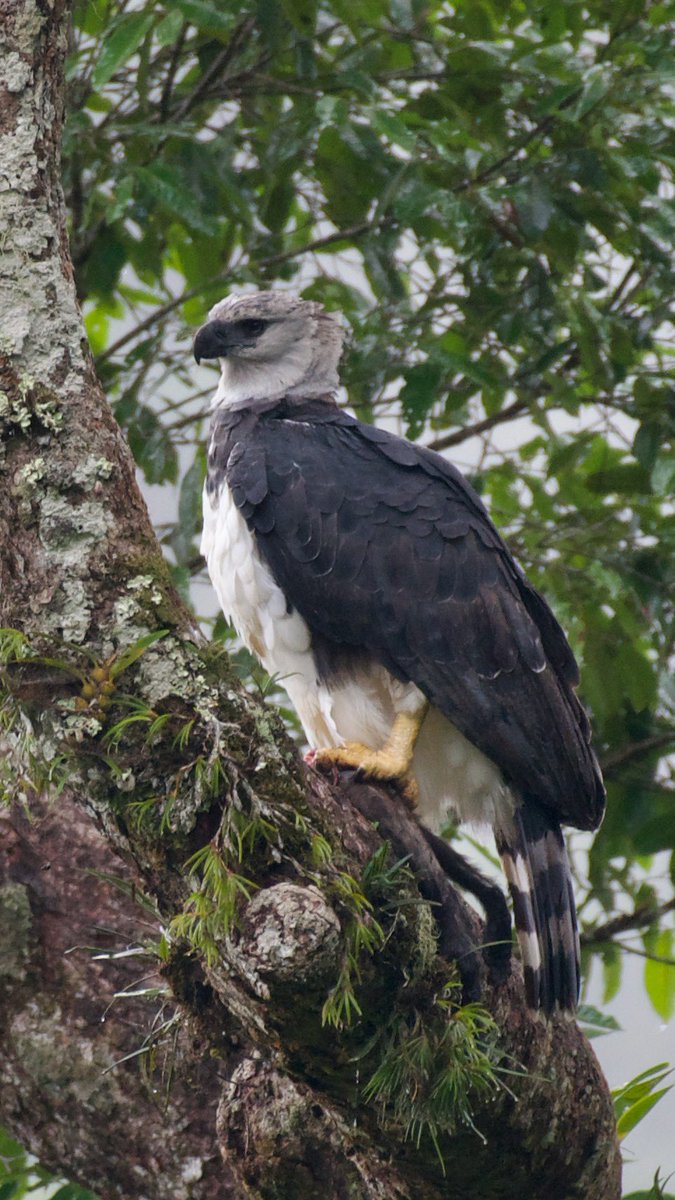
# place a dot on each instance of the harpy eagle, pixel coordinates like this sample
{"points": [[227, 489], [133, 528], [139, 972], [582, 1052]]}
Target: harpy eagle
{"points": [[364, 571]]}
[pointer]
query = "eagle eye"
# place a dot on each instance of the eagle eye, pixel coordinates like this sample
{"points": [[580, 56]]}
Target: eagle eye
{"points": [[252, 327]]}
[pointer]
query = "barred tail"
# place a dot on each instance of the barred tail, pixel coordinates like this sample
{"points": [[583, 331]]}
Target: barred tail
{"points": [[535, 863]]}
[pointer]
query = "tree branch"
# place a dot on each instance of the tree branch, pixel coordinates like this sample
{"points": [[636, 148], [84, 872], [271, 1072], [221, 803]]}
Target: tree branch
{"points": [[618, 758], [642, 917], [508, 413], [240, 33], [67, 1029]]}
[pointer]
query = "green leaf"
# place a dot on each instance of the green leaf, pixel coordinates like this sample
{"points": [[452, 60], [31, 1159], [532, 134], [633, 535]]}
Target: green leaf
{"points": [[637, 674], [97, 326], [71, 1191], [91, 16], [133, 653], [169, 27], [173, 191], [611, 972], [189, 511], [342, 166], [647, 443], [206, 16], [535, 207], [596, 85], [663, 475], [9, 1148], [152, 447], [120, 203], [625, 480], [656, 1192], [596, 1023], [652, 1194], [630, 1101], [122, 40], [393, 128], [657, 832], [660, 976], [301, 14], [638, 1111], [105, 263], [418, 395]]}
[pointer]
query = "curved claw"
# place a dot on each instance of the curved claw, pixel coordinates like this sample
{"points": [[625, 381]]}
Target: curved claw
{"points": [[373, 764]]}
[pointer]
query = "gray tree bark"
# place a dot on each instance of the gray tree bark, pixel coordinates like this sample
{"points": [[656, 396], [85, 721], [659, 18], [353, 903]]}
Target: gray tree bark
{"points": [[238, 1089]]}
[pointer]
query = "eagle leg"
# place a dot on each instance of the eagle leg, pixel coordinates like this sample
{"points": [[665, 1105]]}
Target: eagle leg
{"points": [[498, 936], [390, 763], [409, 841]]}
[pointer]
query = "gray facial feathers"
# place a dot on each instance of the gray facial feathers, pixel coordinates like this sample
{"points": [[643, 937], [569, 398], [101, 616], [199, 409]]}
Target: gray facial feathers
{"points": [[271, 345]]}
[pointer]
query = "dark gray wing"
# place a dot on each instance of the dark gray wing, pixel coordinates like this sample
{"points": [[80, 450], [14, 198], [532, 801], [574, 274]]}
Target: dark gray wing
{"points": [[386, 551]]}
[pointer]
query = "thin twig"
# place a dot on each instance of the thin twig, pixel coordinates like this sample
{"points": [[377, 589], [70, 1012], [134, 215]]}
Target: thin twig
{"points": [[461, 435], [643, 916], [658, 958], [618, 290], [636, 750], [492, 168], [167, 89], [239, 35]]}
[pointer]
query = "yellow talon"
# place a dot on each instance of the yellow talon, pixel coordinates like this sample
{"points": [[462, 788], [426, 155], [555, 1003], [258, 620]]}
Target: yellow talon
{"points": [[392, 762]]}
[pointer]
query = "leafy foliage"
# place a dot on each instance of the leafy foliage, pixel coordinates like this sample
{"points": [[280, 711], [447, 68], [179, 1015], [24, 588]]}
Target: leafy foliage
{"points": [[656, 1192], [433, 1073], [211, 909], [363, 937], [20, 1176], [595, 1023], [633, 1101]]}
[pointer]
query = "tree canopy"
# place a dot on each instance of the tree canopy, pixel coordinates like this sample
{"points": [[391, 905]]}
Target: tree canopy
{"points": [[485, 192]]}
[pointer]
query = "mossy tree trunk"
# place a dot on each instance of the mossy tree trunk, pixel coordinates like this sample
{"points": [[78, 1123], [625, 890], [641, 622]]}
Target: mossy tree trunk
{"points": [[155, 758]]}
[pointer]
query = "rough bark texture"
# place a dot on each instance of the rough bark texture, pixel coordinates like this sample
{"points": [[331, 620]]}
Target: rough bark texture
{"points": [[67, 1092], [82, 577]]}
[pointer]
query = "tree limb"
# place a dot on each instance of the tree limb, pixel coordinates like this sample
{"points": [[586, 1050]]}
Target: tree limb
{"points": [[508, 413], [67, 1029], [618, 758], [643, 916]]}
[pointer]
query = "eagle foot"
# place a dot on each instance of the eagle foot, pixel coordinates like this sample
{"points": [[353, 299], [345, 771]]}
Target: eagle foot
{"points": [[377, 765]]}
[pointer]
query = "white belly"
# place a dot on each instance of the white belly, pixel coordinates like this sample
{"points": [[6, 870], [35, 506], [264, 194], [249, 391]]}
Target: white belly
{"points": [[256, 606], [455, 779]]}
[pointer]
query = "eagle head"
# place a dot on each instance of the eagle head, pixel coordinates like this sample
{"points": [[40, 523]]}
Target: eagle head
{"points": [[270, 344]]}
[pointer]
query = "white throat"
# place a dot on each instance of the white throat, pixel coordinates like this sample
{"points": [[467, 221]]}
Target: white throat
{"points": [[244, 381]]}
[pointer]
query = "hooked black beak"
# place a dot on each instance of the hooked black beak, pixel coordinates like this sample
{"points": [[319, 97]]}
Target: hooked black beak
{"points": [[213, 340]]}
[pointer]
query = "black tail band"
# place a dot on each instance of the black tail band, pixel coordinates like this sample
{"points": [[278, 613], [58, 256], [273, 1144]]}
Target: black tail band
{"points": [[536, 866]]}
